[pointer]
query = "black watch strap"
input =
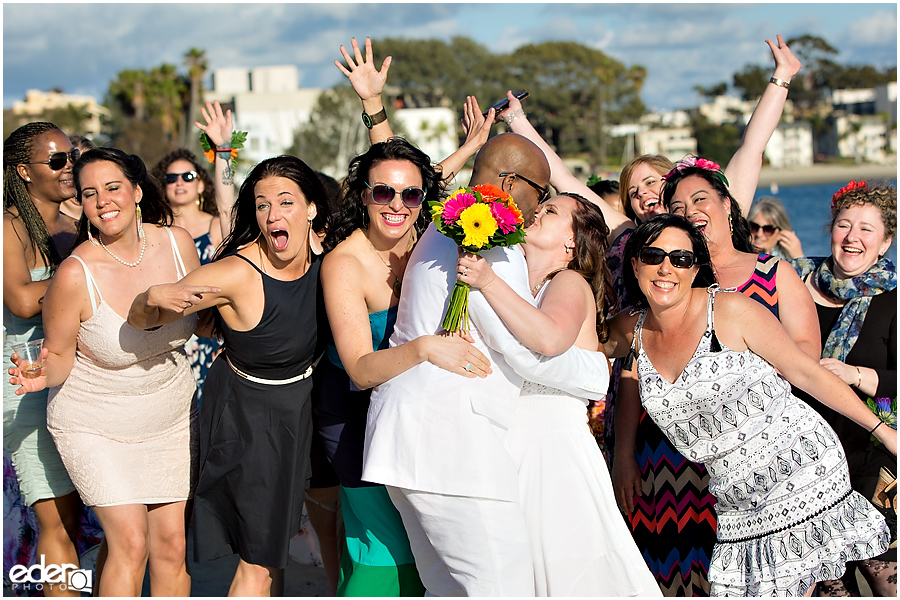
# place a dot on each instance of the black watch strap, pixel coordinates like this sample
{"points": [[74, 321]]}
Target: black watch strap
{"points": [[371, 121]]}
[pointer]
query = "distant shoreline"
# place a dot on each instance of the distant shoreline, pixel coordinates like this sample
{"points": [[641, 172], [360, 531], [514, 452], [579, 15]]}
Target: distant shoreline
{"points": [[817, 174]]}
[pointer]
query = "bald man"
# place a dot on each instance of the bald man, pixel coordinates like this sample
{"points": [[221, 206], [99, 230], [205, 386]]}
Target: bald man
{"points": [[436, 438]]}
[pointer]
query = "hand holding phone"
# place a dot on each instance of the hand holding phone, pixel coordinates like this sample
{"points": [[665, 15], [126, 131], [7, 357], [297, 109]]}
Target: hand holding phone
{"points": [[503, 104]]}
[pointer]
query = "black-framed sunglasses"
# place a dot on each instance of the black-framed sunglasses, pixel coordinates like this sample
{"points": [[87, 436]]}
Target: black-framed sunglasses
{"points": [[58, 160], [681, 259], [766, 229], [544, 192], [187, 177], [411, 197]]}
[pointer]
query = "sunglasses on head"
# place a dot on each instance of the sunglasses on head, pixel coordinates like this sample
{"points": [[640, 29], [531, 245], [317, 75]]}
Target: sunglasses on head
{"points": [[543, 192], [58, 160], [411, 197], [766, 229], [187, 177], [682, 259]]}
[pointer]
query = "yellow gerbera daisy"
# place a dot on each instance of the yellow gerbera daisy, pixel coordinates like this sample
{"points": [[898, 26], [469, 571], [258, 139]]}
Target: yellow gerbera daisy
{"points": [[436, 210], [478, 224]]}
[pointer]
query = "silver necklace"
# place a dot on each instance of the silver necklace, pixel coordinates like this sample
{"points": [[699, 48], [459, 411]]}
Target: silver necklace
{"points": [[127, 264]]}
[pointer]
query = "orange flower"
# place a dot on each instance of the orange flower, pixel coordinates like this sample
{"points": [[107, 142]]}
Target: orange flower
{"points": [[210, 155]]}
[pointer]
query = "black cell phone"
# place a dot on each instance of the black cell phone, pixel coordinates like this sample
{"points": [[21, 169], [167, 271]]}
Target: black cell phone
{"points": [[501, 106]]}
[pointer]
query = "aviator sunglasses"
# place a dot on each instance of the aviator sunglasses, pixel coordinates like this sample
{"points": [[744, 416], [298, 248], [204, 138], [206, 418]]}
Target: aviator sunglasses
{"points": [[187, 177], [58, 160], [384, 194], [543, 192], [682, 259], [766, 229]]}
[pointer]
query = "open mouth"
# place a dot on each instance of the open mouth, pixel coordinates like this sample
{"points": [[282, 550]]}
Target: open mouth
{"points": [[851, 250], [650, 205], [664, 285], [109, 215], [700, 224], [279, 239]]}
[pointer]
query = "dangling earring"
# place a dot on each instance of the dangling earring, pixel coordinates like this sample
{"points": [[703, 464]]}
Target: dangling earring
{"points": [[90, 237], [568, 250], [140, 224], [730, 224]]}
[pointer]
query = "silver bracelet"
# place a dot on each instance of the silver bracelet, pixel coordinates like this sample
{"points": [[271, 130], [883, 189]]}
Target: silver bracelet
{"points": [[516, 114]]}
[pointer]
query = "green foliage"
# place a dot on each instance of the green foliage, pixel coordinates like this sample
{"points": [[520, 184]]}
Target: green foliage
{"points": [[752, 81], [715, 142], [712, 91]]}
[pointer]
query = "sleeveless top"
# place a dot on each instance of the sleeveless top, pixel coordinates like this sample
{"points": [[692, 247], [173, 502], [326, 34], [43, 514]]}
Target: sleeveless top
{"points": [[382, 325], [761, 285], [17, 330], [282, 345]]}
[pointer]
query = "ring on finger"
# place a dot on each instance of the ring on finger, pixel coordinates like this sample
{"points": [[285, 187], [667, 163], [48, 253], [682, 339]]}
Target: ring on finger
{"points": [[465, 271], [468, 368]]}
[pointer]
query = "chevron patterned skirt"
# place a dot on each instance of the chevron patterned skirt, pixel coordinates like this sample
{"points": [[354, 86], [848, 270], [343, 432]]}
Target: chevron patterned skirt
{"points": [[674, 519]]}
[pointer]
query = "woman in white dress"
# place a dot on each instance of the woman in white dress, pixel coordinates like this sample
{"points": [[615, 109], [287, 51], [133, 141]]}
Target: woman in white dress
{"points": [[580, 543]]}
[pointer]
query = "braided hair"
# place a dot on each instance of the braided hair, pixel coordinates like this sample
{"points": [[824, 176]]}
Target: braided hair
{"points": [[16, 151]]}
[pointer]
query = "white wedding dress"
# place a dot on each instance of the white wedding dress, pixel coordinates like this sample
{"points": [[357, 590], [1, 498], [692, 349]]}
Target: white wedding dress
{"points": [[580, 543]]}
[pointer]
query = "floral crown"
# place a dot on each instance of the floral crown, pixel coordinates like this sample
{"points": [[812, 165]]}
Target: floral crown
{"points": [[850, 186], [700, 163]]}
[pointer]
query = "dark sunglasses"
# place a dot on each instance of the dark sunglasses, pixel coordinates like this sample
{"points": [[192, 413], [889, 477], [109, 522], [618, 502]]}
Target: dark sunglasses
{"points": [[384, 194], [766, 229], [544, 192], [682, 259], [58, 160], [187, 177]]}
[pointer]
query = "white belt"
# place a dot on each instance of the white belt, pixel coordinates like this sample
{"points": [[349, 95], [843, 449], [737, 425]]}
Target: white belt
{"points": [[240, 373]]}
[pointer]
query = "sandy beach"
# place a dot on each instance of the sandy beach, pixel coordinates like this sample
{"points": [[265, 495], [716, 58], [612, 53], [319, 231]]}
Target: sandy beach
{"points": [[820, 173]]}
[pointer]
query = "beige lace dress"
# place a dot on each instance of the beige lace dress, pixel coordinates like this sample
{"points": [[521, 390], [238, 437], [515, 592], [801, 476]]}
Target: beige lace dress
{"points": [[124, 421]]}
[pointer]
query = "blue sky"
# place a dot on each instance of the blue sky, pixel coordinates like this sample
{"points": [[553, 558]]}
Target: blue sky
{"points": [[81, 47]]}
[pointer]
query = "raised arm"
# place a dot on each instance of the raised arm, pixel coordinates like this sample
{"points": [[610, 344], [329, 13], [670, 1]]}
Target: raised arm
{"points": [[745, 166], [368, 82], [478, 129], [219, 128], [348, 317], [560, 176], [549, 330]]}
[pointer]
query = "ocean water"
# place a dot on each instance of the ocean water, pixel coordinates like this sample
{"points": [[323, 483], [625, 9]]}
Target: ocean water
{"points": [[809, 208]]}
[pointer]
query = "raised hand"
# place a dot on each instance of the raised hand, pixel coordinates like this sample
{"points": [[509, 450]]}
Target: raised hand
{"points": [[786, 64], [514, 105], [177, 297], [30, 382], [366, 80], [219, 126], [476, 125]]}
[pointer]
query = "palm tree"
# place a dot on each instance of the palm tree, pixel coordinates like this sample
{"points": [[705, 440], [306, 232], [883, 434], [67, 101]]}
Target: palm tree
{"points": [[195, 61]]}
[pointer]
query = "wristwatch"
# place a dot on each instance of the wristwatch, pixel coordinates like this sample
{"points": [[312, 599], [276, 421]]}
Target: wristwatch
{"points": [[372, 120]]}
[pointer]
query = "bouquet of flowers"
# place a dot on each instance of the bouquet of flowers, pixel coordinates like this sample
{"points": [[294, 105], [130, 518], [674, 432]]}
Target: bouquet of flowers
{"points": [[476, 218]]}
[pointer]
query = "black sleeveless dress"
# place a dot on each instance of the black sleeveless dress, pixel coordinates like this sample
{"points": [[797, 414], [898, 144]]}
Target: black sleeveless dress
{"points": [[256, 428]]}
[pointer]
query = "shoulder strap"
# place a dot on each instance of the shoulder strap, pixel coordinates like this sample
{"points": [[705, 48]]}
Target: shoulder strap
{"points": [[250, 262], [179, 264], [714, 345], [91, 284], [635, 341]]}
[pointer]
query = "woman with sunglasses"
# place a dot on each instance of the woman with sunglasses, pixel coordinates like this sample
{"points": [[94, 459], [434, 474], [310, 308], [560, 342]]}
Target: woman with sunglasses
{"points": [[579, 543], [707, 363], [770, 229], [855, 291], [37, 177], [204, 209], [381, 215], [120, 409]]}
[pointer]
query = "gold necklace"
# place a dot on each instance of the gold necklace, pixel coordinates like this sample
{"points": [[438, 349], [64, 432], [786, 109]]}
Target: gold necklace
{"points": [[398, 281]]}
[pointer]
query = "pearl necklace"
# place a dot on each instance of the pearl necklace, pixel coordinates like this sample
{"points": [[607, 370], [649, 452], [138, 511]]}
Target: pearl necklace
{"points": [[127, 264]]}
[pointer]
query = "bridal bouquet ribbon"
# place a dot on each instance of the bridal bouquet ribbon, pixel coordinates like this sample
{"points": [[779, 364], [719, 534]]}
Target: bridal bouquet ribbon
{"points": [[476, 218]]}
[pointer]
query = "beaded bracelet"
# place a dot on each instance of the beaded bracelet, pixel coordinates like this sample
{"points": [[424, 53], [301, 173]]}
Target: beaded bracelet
{"points": [[516, 114]]}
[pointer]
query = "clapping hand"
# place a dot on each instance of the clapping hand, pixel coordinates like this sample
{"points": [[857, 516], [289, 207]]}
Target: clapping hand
{"points": [[786, 64], [219, 126], [31, 383], [367, 82]]}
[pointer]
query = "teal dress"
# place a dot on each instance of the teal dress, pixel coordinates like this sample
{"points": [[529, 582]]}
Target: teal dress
{"points": [[377, 560], [39, 468]]}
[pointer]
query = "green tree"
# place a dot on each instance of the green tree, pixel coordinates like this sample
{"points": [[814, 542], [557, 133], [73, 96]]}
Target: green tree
{"points": [[752, 81], [196, 63], [712, 91], [808, 88], [715, 142]]}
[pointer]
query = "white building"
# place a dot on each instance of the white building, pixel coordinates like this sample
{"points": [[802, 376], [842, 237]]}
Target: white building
{"points": [[864, 138], [791, 145], [36, 103], [268, 104], [673, 143], [433, 130]]}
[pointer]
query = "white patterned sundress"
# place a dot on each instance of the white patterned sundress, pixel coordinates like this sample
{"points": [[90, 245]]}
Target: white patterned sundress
{"points": [[787, 515]]}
